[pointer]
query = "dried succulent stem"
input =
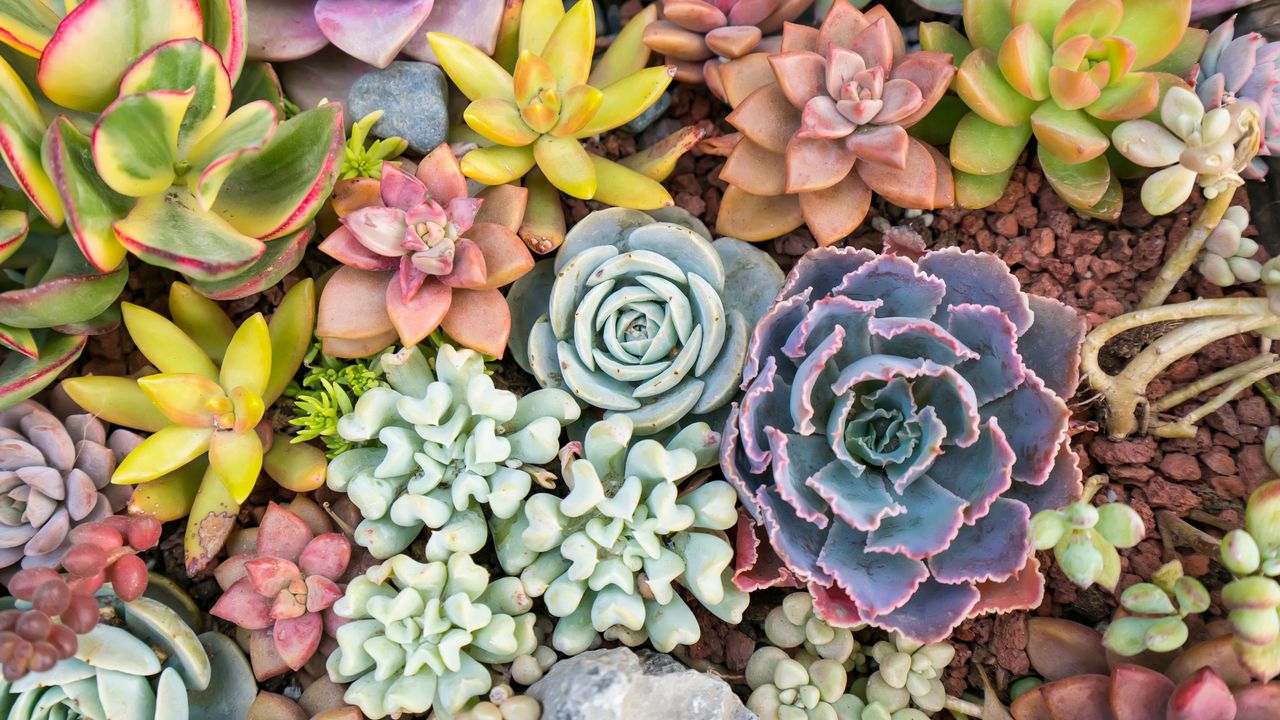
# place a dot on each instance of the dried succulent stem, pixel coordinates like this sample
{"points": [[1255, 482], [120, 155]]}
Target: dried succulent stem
{"points": [[1176, 532], [1204, 322], [1245, 374], [964, 707], [1208, 382], [1187, 251]]}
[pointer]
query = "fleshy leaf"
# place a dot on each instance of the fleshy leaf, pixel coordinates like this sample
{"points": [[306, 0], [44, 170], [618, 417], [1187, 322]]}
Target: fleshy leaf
{"points": [[179, 66], [92, 206], [21, 376], [135, 143], [21, 130], [170, 230]]}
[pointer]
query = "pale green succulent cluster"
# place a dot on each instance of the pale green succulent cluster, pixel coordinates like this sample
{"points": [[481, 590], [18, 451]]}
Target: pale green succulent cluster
{"points": [[437, 445], [1084, 539], [1252, 598], [606, 557], [908, 675], [1156, 612], [794, 624], [783, 688], [1228, 255], [420, 634]]}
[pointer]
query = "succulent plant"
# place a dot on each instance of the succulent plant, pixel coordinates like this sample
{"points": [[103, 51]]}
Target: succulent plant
{"points": [[361, 161], [1156, 612], [786, 689], [1228, 255], [169, 172], [205, 411], [1084, 538], [908, 675], [419, 634], [539, 115], [55, 474], [327, 392], [610, 553], [283, 590], [504, 703], [1063, 73], [796, 624], [1252, 599], [696, 35], [642, 315], [825, 125], [149, 663], [416, 262], [901, 422], [1234, 69], [437, 444], [1191, 147]]}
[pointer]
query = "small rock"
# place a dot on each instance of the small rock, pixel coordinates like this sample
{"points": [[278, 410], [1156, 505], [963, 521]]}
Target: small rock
{"points": [[651, 113], [1254, 410], [415, 99], [1123, 452], [1163, 494], [619, 684], [1180, 466]]}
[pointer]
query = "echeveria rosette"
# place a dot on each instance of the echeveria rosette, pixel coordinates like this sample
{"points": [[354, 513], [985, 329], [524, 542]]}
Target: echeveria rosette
{"points": [[419, 635], [901, 422], [419, 261], [826, 126], [1065, 73], [283, 591], [1233, 69], [609, 555], [437, 445], [641, 316]]}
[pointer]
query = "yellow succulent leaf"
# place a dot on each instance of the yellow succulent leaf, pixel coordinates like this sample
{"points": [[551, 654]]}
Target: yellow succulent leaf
{"points": [[475, 74], [543, 226], [627, 98], [212, 518], [538, 19], [623, 187], [581, 103], [236, 458], [627, 53], [117, 400], [533, 77], [291, 329], [569, 49], [164, 344], [499, 121], [162, 453], [186, 399], [249, 409], [169, 497], [658, 161], [299, 467], [508, 46], [567, 165], [497, 165], [248, 360], [135, 142], [201, 319]]}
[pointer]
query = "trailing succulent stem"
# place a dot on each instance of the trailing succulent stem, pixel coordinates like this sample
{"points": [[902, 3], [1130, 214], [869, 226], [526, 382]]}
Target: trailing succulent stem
{"points": [[1187, 251]]}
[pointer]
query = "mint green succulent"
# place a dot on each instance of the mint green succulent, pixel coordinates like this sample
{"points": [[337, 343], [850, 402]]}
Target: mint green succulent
{"points": [[783, 688], [437, 445], [1157, 610], [420, 634], [1084, 539], [148, 662], [1252, 598], [361, 161], [606, 558], [908, 675], [327, 392], [794, 624]]}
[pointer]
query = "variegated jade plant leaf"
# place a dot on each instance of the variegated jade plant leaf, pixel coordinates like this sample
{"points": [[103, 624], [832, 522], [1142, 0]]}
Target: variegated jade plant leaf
{"points": [[204, 409]]}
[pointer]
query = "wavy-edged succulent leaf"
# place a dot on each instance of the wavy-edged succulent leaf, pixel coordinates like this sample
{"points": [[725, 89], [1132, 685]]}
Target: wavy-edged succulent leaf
{"points": [[282, 255], [135, 143], [71, 291], [170, 230], [96, 42], [21, 376], [22, 128], [27, 26], [278, 190], [92, 207]]}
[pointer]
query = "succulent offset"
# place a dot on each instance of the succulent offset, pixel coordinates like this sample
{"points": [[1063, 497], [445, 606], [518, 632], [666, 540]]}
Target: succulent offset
{"points": [[1084, 539], [538, 113], [1228, 255], [55, 474], [795, 624], [1252, 599], [612, 552], [437, 445], [1156, 611], [786, 689], [1190, 147], [1063, 72], [359, 161], [418, 634], [901, 422], [417, 262], [908, 675], [642, 315], [205, 411], [825, 126], [1238, 69]]}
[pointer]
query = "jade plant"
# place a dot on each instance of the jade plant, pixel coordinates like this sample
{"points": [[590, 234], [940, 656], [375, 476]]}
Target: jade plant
{"points": [[149, 662], [168, 171], [1064, 72], [538, 112], [1252, 599], [205, 411], [1084, 537], [326, 392], [55, 475], [1246, 68], [1190, 147], [419, 635], [697, 35], [436, 444], [610, 554], [825, 125], [1156, 611], [643, 315], [902, 421], [418, 261], [1227, 258]]}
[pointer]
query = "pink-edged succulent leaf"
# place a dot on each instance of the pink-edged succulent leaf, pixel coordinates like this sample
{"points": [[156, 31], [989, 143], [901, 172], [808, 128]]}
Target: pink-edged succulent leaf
{"points": [[27, 26], [281, 534], [22, 127], [170, 230], [225, 31], [297, 639], [71, 292], [281, 256], [22, 376], [440, 172], [322, 593], [181, 65], [373, 31], [244, 606], [469, 269], [135, 142], [343, 246], [91, 206], [269, 575], [380, 229], [326, 555]]}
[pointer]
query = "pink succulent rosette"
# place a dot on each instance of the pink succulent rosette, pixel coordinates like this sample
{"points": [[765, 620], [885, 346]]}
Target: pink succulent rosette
{"points": [[902, 421], [284, 591]]}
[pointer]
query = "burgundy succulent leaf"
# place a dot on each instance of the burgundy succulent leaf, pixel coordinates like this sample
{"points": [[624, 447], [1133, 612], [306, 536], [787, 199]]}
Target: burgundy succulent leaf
{"points": [[283, 590], [893, 439], [1138, 693]]}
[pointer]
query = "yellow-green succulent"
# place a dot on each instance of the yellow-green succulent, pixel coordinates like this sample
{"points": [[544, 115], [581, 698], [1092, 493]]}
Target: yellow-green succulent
{"points": [[538, 112]]}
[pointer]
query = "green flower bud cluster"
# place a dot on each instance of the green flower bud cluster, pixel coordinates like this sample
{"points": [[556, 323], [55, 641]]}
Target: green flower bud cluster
{"points": [[1084, 539], [359, 160], [1157, 610], [794, 624], [908, 674], [326, 393]]}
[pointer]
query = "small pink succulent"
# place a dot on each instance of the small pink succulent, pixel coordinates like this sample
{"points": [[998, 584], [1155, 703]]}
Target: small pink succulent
{"points": [[283, 592]]}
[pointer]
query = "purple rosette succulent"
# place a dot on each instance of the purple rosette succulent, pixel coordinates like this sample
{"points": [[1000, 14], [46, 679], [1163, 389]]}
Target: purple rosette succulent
{"points": [[1246, 68], [901, 422]]}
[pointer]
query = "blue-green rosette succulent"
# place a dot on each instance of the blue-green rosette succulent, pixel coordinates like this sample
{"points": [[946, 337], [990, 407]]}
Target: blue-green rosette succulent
{"points": [[643, 317], [435, 445], [419, 635], [607, 557]]}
